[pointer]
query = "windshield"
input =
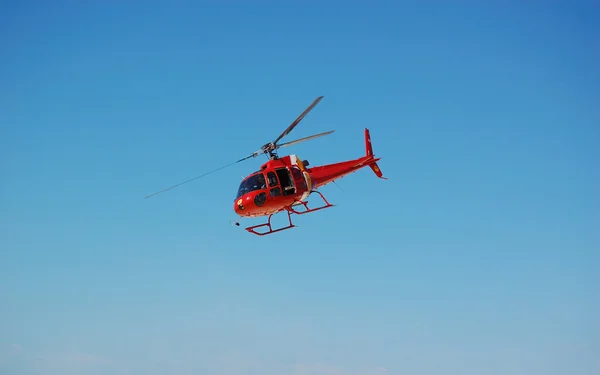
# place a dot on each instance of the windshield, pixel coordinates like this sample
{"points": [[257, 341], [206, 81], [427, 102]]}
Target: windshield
{"points": [[254, 182]]}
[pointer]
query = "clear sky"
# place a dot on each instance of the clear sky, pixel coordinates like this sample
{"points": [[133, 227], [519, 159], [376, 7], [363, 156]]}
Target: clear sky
{"points": [[479, 255]]}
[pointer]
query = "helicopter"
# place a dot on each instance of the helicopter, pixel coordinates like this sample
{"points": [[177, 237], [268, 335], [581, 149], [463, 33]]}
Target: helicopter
{"points": [[284, 183]]}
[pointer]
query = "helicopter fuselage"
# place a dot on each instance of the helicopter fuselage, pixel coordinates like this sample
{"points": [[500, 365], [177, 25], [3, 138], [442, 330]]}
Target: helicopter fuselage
{"points": [[284, 182]]}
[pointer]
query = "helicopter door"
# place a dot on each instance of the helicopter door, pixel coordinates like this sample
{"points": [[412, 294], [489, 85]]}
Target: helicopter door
{"points": [[299, 180], [285, 178], [273, 184]]}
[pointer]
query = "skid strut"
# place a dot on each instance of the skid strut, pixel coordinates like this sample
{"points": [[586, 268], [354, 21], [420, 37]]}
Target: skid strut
{"points": [[268, 224], [305, 204], [290, 210]]}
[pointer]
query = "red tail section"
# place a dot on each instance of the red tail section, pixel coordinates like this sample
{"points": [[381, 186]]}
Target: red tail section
{"points": [[324, 174], [371, 155]]}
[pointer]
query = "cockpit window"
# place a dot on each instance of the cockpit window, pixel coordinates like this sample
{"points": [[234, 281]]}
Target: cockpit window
{"points": [[254, 182]]}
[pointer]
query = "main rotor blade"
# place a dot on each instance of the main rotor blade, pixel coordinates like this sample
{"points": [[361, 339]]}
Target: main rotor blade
{"points": [[304, 139], [255, 154], [195, 178], [293, 124]]}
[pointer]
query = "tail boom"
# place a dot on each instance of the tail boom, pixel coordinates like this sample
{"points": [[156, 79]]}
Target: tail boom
{"points": [[324, 174]]}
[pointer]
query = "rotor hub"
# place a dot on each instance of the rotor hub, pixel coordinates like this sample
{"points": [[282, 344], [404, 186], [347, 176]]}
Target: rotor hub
{"points": [[270, 149]]}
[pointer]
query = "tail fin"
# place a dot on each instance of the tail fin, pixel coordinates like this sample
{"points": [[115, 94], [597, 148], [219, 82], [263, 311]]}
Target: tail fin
{"points": [[371, 155]]}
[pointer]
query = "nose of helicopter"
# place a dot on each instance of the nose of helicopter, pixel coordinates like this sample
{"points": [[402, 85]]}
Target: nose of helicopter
{"points": [[250, 204], [243, 205]]}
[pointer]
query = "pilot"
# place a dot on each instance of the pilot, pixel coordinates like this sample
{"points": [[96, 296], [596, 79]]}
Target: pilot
{"points": [[261, 183]]}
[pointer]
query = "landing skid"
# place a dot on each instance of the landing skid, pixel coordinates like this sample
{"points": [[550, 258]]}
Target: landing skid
{"points": [[305, 204], [290, 210]]}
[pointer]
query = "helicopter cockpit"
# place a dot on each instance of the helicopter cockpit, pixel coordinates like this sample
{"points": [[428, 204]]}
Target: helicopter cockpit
{"points": [[252, 183]]}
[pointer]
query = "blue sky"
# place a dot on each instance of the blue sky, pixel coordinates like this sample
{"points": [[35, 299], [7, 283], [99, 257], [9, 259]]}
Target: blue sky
{"points": [[478, 255]]}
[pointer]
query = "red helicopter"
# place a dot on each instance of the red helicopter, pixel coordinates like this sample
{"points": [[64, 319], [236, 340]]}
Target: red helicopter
{"points": [[284, 183]]}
